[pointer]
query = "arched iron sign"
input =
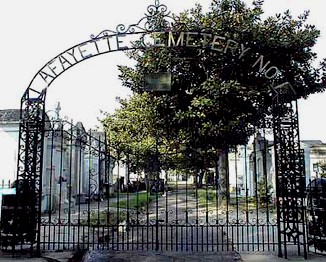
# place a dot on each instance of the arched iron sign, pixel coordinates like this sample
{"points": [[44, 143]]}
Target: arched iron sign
{"points": [[158, 21]]}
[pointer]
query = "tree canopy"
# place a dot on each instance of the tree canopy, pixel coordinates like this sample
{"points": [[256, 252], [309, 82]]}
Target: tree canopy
{"points": [[222, 91]]}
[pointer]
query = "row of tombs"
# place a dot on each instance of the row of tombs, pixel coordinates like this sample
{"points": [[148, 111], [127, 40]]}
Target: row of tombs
{"points": [[77, 166]]}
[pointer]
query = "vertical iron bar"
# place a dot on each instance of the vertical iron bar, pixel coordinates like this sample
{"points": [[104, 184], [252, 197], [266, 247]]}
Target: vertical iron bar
{"points": [[138, 210], [267, 193], [278, 157], [148, 189], [89, 195], [118, 202], [128, 199], [50, 191], [79, 174], [176, 214], [107, 152], [256, 189], [166, 210], [38, 176], [70, 182], [60, 187], [101, 151], [247, 196], [207, 209], [217, 198], [157, 171], [197, 209], [236, 194], [227, 183], [186, 211]]}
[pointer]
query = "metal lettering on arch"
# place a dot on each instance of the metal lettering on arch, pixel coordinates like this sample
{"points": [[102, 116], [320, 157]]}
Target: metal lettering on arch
{"points": [[77, 208]]}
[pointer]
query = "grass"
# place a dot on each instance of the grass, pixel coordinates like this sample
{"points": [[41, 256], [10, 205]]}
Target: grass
{"points": [[105, 218], [136, 200], [207, 197]]}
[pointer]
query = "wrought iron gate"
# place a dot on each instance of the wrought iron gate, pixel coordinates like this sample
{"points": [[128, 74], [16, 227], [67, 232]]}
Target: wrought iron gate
{"points": [[90, 197], [83, 194]]}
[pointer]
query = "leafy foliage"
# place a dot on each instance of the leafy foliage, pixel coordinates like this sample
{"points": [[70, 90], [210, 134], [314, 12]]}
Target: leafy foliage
{"points": [[130, 130], [322, 165], [217, 99], [264, 189]]}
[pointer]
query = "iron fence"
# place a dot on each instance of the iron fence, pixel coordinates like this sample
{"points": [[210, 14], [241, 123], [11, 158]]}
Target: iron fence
{"points": [[92, 198]]}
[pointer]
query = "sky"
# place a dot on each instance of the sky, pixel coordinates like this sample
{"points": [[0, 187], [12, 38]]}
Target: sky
{"points": [[33, 32]]}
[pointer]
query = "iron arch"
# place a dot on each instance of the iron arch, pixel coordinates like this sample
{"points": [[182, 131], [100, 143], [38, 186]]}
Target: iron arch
{"points": [[32, 116]]}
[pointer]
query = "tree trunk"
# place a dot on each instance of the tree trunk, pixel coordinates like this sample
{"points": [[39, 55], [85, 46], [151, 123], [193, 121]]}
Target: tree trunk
{"points": [[223, 172], [200, 179], [195, 176]]}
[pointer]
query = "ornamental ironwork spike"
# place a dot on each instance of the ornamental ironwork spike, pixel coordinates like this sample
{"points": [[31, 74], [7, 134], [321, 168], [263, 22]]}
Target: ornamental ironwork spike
{"points": [[156, 18]]}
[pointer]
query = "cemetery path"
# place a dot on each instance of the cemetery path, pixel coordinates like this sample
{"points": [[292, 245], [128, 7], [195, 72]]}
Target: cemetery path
{"points": [[174, 222]]}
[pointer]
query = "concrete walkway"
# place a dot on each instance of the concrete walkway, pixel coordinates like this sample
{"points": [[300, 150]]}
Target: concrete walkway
{"points": [[161, 256], [176, 215], [49, 257], [148, 256], [273, 258]]}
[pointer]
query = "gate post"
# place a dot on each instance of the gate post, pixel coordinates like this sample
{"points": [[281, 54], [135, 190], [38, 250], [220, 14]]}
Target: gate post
{"points": [[29, 170], [290, 178]]}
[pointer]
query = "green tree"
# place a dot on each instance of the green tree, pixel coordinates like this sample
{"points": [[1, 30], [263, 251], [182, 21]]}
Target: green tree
{"points": [[322, 165], [264, 190], [130, 130], [217, 99], [134, 137]]}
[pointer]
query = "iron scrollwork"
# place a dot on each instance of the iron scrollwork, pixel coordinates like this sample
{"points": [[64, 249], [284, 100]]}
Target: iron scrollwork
{"points": [[290, 177], [157, 18], [29, 170]]}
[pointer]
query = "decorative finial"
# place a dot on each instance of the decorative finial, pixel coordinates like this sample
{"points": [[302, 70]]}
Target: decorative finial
{"points": [[57, 110], [156, 17]]}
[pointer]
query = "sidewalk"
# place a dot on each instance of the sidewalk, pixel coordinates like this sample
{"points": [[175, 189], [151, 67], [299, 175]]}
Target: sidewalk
{"points": [[148, 256], [45, 257], [254, 257]]}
